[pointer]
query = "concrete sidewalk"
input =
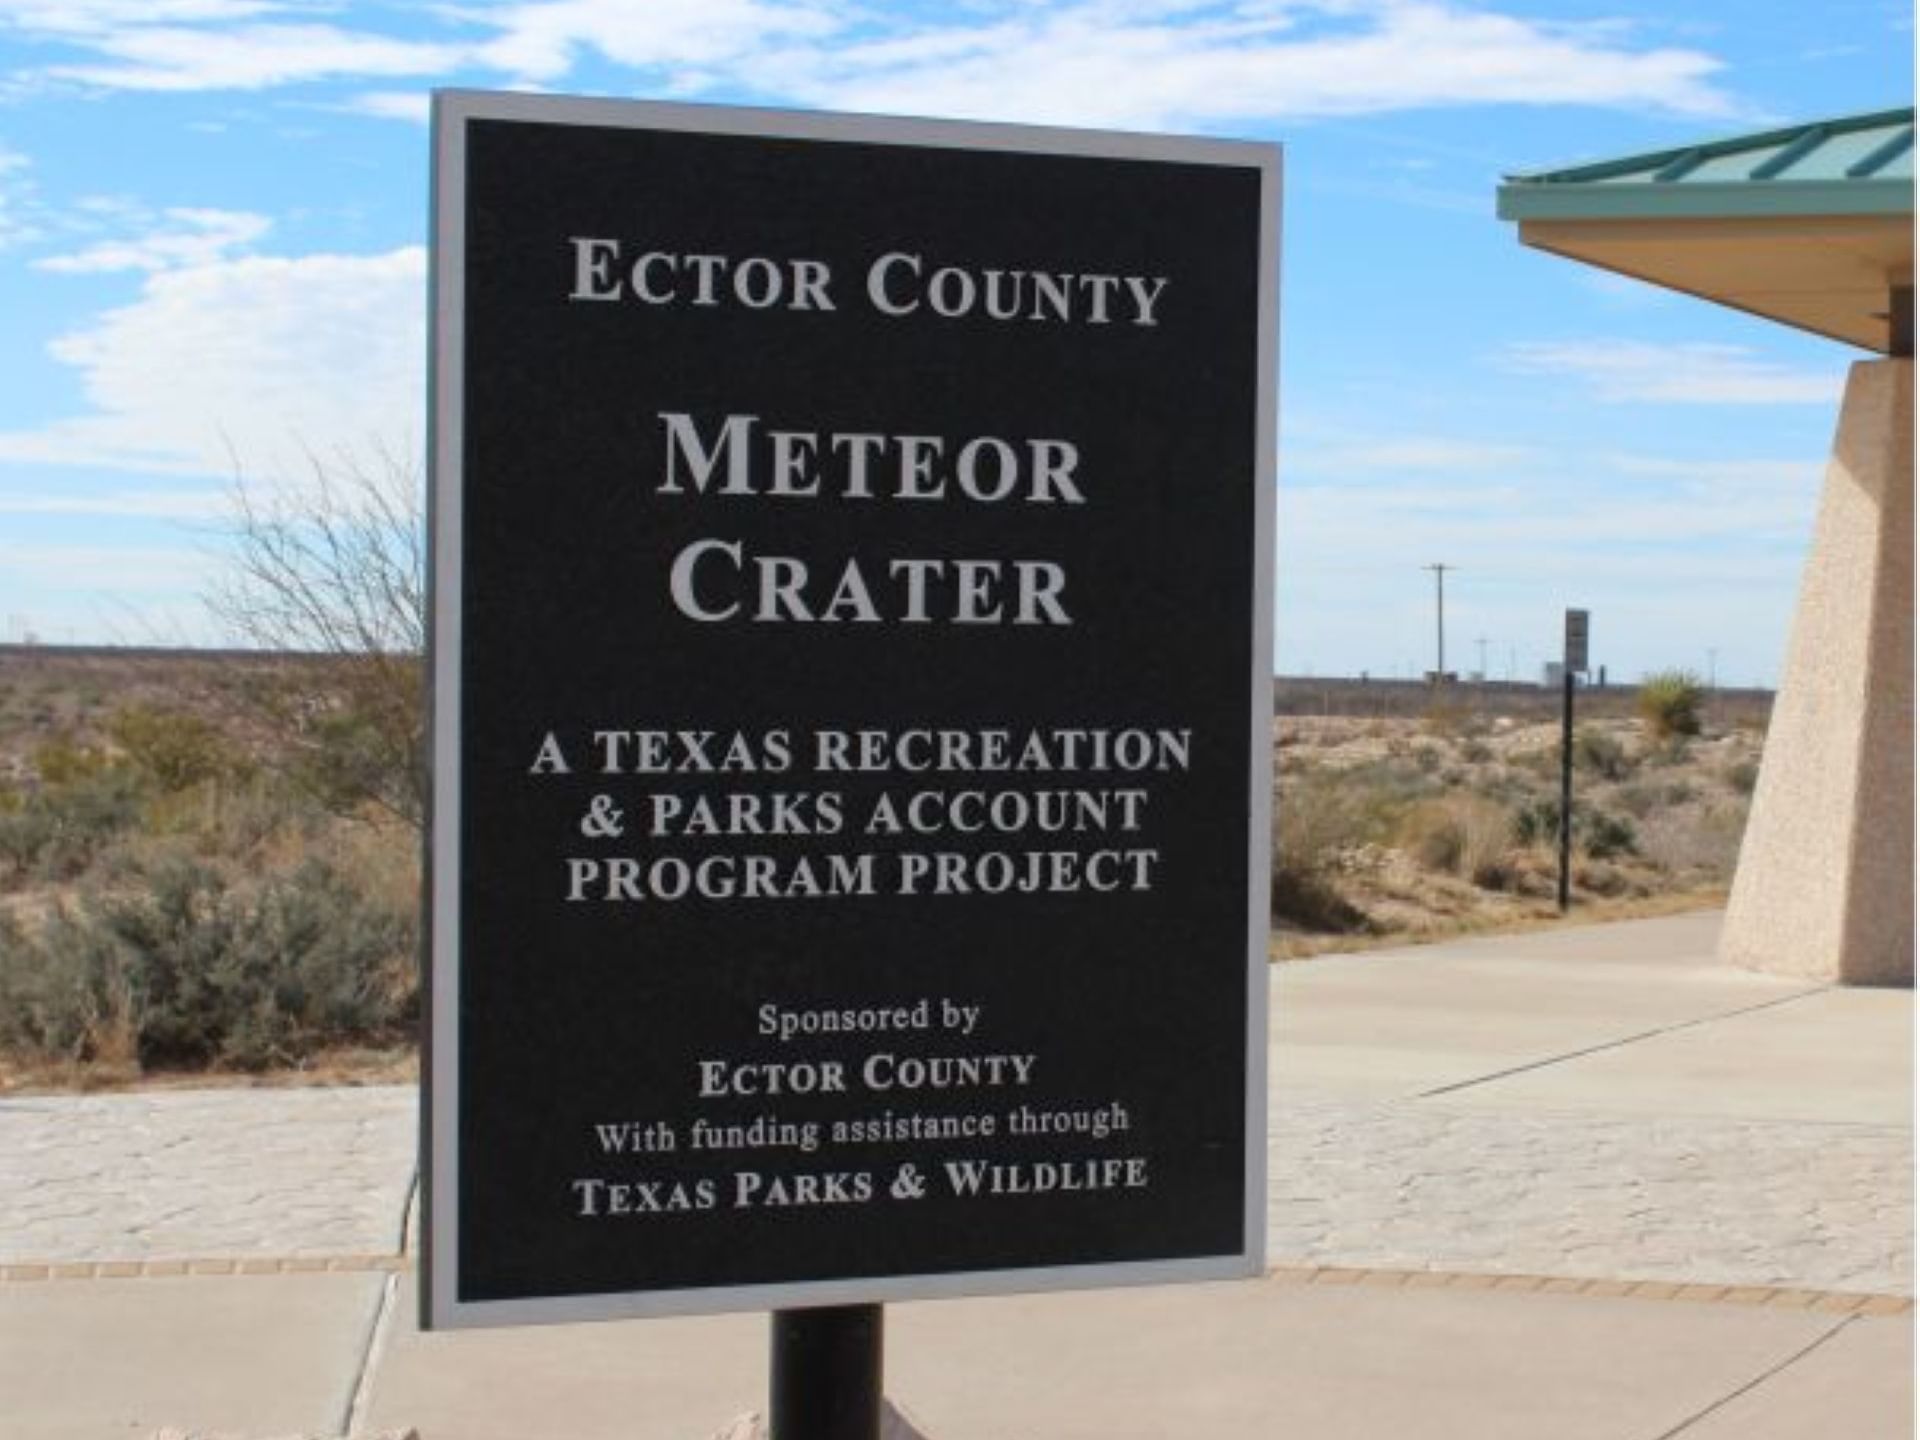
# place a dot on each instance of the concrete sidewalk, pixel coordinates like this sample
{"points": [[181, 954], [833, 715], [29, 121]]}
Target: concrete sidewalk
{"points": [[1580, 1183]]}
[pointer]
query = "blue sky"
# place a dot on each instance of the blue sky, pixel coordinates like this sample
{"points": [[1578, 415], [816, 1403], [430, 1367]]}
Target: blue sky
{"points": [[212, 222]]}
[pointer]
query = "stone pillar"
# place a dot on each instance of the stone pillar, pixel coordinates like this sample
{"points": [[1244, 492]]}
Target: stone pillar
{"points": [[1825, 886]]}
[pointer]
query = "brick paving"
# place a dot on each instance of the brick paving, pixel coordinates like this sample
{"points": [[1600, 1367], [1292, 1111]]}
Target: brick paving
{"points": [[186, 1181], [1413, 1184], [200, 1174]]}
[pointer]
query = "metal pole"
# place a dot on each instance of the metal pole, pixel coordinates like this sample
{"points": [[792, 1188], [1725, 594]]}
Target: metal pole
{"points": [[1440, 620], [827, 1367], [1566, 790]]}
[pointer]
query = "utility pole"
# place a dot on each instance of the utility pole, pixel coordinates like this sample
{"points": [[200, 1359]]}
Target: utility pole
{"points": [[1440, 619], [1713, 659], [1481, 641]]}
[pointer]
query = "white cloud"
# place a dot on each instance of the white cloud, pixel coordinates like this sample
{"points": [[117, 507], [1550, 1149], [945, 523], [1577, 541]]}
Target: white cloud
{"points": [[249, 57], [1114, 62], [414, 105], [181, 237], [1624, 371], [540, 42], [252, 361], [1187, 65]]}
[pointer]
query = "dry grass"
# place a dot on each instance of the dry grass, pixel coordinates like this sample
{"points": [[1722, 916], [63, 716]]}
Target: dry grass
{"points": [[1423, 830]]}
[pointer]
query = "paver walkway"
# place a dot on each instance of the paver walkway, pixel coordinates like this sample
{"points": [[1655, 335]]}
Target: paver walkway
{"points": [[1400, 1185], [188, 1174], [1392, 1185]]}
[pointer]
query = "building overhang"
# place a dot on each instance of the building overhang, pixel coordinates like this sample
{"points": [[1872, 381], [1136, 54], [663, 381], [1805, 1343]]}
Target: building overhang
{"points": [[1810, 226]]}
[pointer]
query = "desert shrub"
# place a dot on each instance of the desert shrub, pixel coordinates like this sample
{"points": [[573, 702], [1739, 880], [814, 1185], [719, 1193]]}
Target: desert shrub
{"points": [[1377, 793], [1669, 703], [1604, 836], [1639, 801], [335, 571], [200, 972], [1598, 753], [1427, 757], [1703, 843], [1476, 752], [1599, 834], [1312, 900], [1316, 818], [1536, 821], [1741, 776], [62, 1005], [61, 761], [1542, 761], [348, 758], [1645, 799], [1460, 835], [176, 749], [56, 832], [1604, 880]]}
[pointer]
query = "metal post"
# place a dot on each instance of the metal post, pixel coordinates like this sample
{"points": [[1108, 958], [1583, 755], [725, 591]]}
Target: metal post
{"points": [[1566, 790], [1440, 620], [827, 1373]]}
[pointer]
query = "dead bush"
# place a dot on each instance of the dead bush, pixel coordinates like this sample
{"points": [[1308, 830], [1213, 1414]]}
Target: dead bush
{"points": [[1462, 835]]}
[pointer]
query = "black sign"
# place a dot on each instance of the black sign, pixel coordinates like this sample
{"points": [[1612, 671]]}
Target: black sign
{"points": [[1576, 642], [852, 667]]}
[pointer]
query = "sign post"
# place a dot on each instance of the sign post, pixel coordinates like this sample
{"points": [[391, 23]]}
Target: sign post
{"points": [[852, 662], [827, 1368], [1573, 659]]}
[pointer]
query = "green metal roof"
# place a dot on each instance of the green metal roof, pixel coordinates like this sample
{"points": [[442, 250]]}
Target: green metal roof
{"points": [[1852, 165]]}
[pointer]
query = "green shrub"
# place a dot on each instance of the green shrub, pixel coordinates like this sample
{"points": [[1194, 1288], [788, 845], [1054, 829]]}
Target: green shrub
{"points": [[176, 749], [65, 1004], [60, 762], [55, 833], [200, 972], [1599, 753], [1604, 836], [1741, 776], [1536, 821], [349, 759], [1599, 834], [1669, 703]]}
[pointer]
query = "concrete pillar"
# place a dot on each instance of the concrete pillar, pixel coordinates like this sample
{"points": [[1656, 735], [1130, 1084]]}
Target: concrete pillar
{"points": [[1825, 885]]}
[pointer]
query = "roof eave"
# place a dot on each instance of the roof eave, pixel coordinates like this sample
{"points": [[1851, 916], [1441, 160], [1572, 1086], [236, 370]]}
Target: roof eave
{"points": [[1740, 199]]}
